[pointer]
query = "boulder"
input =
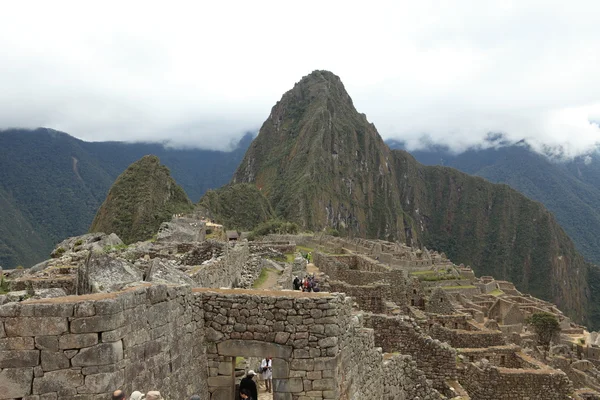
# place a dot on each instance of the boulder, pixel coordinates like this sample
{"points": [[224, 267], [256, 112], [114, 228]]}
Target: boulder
{"points": [[105, 273], [182, 229], [163, 271], [90, 242]]}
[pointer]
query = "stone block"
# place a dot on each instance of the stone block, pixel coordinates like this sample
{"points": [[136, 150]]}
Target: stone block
{"points": [[281, 368], [53, 360], [225, 368], [35, 326], [253, 348], [17, 343], [220, 381], [84, 309], [77, 340], [100, 354], [46, 309], [15, 382], [222, 394], [282, 396], [57, 381], [323, 384], [102, 383], [49, 343], [97, 323], [19, 358]]}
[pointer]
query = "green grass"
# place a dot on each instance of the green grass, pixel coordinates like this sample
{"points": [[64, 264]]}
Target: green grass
{"points": [[264, 275], [289, 257], [239, 361], [425, 272], [496, 292], [116, 247], [305, 249], [459, 287]]}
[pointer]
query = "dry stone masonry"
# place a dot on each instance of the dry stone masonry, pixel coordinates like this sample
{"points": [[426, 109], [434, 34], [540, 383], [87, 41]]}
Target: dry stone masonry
{"points": [[177, 314]]}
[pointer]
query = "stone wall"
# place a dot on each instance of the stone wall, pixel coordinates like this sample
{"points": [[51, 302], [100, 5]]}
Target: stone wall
{"points": [[492, 383], [86, 346], [397, 334], [460, 338], [299, 330], [224, 271], [499, 356], [402, 380]]}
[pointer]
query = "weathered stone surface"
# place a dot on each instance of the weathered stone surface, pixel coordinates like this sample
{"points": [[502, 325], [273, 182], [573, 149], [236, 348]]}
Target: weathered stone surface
{"points": [[181, 229], [35, 326], [102, 382], [57, 381], [97, 323], [49, 343], [15, 382], [53, 360], [77, 341], [100, 354], [19, 358], [253, 348], [17, 343], [163, 271], [105, 273]]}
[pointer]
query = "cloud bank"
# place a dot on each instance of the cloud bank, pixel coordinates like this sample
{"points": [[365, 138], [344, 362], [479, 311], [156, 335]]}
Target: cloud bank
{"points": [[198, 74]]}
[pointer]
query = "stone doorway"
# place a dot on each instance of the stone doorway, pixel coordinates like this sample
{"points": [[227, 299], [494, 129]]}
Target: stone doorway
{"points": [[223, 380]]}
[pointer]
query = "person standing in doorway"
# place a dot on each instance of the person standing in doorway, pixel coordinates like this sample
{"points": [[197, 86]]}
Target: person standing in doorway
{"points": [[247, 383], [266, 369]]}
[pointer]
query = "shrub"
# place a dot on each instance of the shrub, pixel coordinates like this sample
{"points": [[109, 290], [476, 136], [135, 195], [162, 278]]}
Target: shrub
{"points": [[546, 326], [274, 226]]}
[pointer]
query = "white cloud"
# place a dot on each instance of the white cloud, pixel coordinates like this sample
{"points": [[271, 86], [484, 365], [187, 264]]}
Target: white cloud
{"points": [[201, 73]]}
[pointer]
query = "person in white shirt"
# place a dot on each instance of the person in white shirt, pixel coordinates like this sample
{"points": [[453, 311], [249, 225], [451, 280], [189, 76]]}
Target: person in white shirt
{"points": [[266, 369]]}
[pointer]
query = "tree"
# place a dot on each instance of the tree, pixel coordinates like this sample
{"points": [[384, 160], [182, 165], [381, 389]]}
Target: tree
{"points": [[546, 326]]}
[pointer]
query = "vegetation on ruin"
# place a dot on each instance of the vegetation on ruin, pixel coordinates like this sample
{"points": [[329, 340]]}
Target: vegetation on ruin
{"points": [[262, 278], [546, 326], [142, 198]]}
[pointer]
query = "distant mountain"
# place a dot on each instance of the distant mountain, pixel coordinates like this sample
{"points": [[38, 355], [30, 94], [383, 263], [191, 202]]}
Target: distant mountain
{"points": [[52, 184], [321, 164], [570, 190], [142, 198]]}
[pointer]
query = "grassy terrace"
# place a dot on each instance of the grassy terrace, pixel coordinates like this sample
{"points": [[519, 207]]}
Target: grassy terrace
{"points": [[458, 287]]}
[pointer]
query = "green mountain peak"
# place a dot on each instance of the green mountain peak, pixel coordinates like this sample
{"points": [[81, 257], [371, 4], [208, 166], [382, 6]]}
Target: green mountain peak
{"points": [[143, 196]]}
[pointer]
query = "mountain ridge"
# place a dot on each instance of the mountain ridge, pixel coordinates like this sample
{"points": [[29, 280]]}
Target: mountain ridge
{"points": [[322, 164], [52, 202]]}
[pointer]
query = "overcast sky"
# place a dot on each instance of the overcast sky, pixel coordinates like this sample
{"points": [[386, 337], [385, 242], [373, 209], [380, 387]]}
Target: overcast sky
{"points": [[201, 73]]}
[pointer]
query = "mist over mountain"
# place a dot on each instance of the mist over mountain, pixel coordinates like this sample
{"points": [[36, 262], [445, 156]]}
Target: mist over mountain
{"points": [[52, 184], [569, 189]]}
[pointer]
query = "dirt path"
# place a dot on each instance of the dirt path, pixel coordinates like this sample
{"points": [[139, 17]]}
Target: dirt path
{"points": [[262, 395], [271, 280], [312, 268]]}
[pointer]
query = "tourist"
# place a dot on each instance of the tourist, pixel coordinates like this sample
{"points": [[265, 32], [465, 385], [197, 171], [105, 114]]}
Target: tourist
{"points": [[195, 397], [296, 283], [118, 395], [154, 395], [136, 395], [248, 384], [266, 368], [246, 395]]}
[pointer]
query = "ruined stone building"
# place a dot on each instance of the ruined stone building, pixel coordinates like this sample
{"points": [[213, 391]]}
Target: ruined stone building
{"points": [[178, 315]]}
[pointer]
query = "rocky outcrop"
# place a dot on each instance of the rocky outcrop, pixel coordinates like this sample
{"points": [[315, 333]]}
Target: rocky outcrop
{"points": [[181, 229], [105, 273]]}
